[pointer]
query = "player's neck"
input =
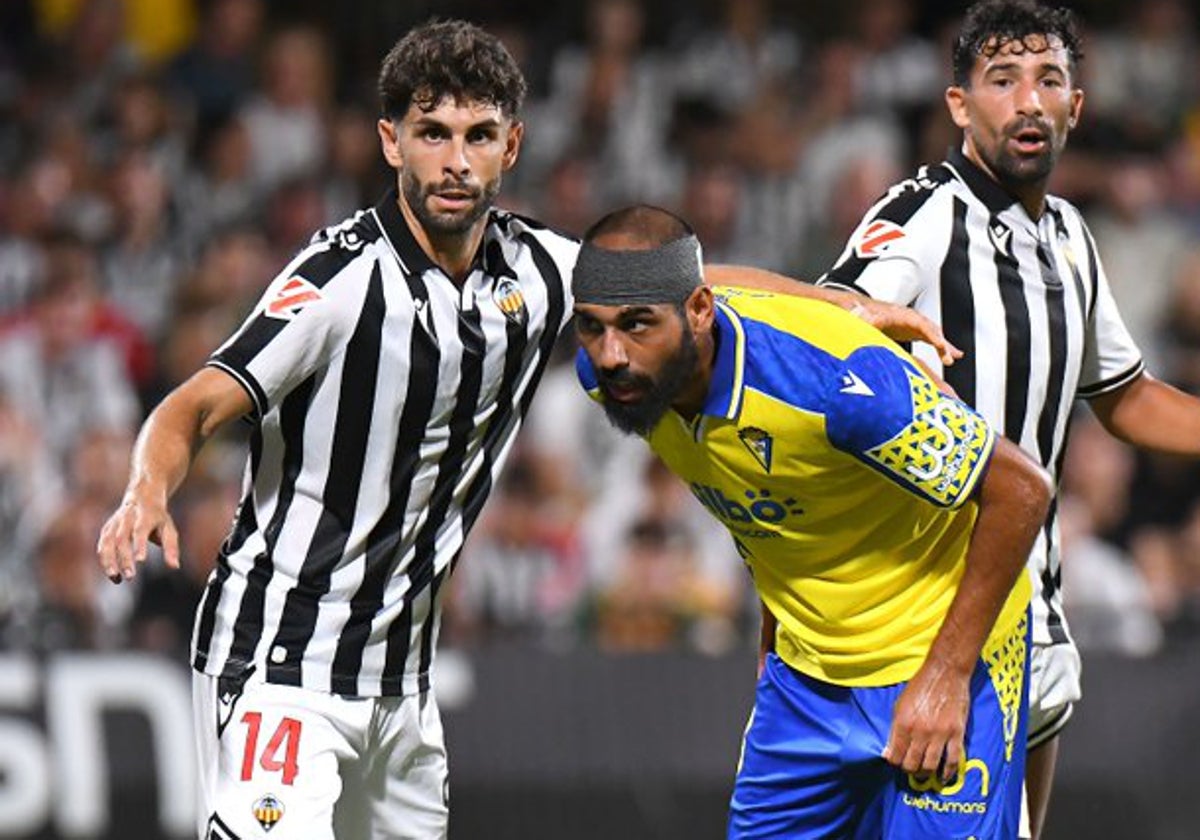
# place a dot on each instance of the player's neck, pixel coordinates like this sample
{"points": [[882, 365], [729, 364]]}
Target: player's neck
{"points": [[452, 253], [1031, 196]]}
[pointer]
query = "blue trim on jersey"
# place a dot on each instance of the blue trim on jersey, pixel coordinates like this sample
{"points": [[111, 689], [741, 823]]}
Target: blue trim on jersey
{"points": [[872, 403], [586, 372], [788, 368], [724, 397]]}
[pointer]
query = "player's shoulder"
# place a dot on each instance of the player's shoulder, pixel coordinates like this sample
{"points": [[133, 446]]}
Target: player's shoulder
{"points": [[512, 225], [906, 198], [806, 318], [335, 247]]}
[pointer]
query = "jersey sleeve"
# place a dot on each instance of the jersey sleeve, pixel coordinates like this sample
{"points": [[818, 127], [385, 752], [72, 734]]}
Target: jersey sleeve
{"points": [[304, 318], [885, 412], [563, 251], [1111, 358], [892, 254]]}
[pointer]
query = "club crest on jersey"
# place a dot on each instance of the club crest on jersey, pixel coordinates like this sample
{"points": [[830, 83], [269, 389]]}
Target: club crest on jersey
{"points": [[879, 236], [759, 443], [510, 300], [268, 810], [291, 298]]}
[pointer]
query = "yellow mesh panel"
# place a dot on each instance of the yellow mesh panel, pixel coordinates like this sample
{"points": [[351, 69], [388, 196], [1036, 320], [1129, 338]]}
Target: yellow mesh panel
{"points": [[1005, 660]]}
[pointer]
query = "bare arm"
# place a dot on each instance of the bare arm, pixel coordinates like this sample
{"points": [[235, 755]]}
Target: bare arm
{"points": [[931, 714], [170, 437], [1153, 415], [898, 323]]}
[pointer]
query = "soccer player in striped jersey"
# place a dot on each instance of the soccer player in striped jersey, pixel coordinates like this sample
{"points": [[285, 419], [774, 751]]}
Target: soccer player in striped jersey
{"points": [[1013, 276], [385, 373], [884, 524]]}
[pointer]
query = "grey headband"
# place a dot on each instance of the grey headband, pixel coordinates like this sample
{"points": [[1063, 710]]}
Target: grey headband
{"points": [[666, 274]]}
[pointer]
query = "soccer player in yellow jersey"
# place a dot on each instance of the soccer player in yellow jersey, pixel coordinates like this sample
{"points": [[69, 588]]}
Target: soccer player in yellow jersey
{"points": [[885, 525]]}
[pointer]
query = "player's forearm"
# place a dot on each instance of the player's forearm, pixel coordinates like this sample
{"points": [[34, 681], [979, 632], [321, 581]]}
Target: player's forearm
{"points": [[1013, 500], [164, 449], [1152, 414], [178, 427]]}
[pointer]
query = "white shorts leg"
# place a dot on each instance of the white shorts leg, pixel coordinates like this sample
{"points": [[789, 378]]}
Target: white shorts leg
{"points": [[406, 787], [1054, 686], [271, 759]]}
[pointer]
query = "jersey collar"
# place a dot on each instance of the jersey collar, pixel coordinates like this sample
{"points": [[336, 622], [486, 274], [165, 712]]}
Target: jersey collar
{"points": [[724, 397], [994, 196], [411, 254]]}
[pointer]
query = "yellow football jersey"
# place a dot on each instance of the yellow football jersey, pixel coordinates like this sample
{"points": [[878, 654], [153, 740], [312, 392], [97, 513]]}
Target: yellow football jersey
{"points": [[845, 478]]}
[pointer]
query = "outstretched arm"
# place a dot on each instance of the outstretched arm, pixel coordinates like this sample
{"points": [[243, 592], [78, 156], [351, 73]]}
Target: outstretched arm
{"points": [[170, 437], [898, 323], [931, 714], [1153, 415]]}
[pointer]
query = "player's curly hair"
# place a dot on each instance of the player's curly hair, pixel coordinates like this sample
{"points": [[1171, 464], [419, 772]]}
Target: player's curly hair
{"points": [[452, 58], [991, 24]]}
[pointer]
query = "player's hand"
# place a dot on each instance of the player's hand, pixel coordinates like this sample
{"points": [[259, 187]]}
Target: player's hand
{"points": [[124, 539], [902, 324], [928, 724]]}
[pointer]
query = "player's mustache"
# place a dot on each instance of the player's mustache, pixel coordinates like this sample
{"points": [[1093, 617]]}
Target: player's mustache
{"points": [[454, 186], [1026, 123], [624, 378]]}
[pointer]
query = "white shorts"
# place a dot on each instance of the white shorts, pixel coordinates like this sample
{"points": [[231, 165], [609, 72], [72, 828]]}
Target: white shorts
{"points": [[1054, 687], [289, 763]]}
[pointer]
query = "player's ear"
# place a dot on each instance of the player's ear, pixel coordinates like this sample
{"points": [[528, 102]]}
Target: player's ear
{"points": [[1076, 107], [389, 142], [700, 308], [512, 146], [956, 103]]}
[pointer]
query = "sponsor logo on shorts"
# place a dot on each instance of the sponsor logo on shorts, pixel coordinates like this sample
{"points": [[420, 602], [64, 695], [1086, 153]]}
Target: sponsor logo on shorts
{"points": [[268, 811], [943, 799]]}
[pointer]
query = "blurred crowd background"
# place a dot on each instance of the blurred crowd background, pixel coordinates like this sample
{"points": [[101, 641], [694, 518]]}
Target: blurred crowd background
{"points": [[160, 160]]}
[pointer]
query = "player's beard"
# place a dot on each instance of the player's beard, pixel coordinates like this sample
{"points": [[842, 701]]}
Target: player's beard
{"points": [[1013, 170], [447, 224], [660, 391]]}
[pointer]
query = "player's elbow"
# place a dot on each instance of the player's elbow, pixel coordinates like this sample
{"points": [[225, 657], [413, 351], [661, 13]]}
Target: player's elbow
{"points": [[1023, 483]]}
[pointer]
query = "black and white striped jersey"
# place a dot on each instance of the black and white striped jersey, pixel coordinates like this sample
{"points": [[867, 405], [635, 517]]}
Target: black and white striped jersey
{"points": [[1026, 300], [386, 400]]}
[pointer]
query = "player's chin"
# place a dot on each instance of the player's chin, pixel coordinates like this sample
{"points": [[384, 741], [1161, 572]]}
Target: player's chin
{"points": [[632, 418]]}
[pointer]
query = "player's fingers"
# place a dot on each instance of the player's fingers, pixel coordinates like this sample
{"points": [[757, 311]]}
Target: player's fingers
{"points": [[105, 552], [169, 538], [897, 745], [141, 540], [953, 758], [122, 545], [915, 759]]}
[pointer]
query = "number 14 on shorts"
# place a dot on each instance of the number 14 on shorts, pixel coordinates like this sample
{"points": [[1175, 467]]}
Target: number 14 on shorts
{"points": [[285, 740]]}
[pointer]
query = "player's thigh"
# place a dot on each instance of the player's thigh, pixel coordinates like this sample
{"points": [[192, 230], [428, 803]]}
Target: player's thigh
{"points": [[271, 759], [792, 782], [406, 790], [985, 797], [1054, 687]]}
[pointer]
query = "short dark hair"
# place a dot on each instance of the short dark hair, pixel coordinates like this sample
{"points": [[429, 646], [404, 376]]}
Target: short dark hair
{"points": [[452, 58], [652, 226], [991, 24]]}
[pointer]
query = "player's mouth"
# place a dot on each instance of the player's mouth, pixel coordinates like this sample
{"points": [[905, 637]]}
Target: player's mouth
{"points": [[451, 201], [625, 393], [1030, 141]]}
